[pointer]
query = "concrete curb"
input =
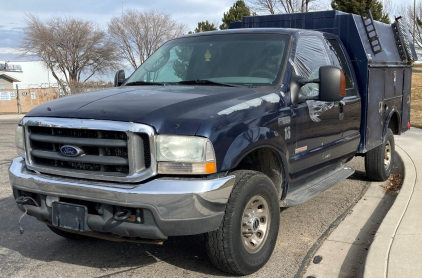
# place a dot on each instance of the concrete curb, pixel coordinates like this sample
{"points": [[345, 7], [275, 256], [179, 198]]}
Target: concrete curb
{"points": [[11, 116], [376, 264]]}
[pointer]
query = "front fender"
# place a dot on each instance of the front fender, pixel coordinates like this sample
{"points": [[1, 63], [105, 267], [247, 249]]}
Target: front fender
{"points": [[250, 140]]}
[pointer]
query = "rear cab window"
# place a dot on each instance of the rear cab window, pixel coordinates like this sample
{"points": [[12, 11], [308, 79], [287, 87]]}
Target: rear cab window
{"points": [[339, 59]]}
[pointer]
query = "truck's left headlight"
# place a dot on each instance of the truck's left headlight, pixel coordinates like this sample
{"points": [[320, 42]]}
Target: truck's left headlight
{"points": [[19, 141], [185, 155]]}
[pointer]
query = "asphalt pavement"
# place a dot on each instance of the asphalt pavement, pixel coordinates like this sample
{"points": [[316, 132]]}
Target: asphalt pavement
{"points": [[40, 253]]}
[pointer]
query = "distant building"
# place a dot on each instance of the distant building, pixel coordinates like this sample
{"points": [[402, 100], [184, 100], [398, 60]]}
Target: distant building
{"points": [[28, 74], [6, 81], [36, 85]]}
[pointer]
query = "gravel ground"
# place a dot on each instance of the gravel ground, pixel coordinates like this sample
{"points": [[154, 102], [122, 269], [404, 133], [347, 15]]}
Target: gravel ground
{"points": [[40, 253]]}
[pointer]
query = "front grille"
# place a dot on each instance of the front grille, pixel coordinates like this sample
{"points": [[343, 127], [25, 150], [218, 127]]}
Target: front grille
{"points": [[147, 150], [103, 151], [119, 154]]}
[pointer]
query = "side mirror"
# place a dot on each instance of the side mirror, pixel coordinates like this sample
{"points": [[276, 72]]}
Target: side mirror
{"points": [[119, 78], [332, 84]]}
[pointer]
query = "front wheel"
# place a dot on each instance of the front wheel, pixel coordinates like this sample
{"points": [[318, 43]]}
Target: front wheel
{"points": [[379, 161], [248, 233]]}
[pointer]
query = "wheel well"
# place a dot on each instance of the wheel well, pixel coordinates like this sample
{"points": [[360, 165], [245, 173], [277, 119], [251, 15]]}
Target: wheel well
{"points": [[394, 124], [266, 161]]}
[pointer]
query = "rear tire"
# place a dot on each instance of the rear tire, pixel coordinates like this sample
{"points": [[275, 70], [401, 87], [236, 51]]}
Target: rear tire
{"points": [[248, 233], [68, 235], [379, 161]]}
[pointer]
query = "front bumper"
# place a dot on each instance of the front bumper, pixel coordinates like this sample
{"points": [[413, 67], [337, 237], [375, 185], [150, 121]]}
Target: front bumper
{"points": [[172, 207]]}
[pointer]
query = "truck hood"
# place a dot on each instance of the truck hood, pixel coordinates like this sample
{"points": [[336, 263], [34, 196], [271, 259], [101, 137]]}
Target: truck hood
{"points": [[170, 109]]}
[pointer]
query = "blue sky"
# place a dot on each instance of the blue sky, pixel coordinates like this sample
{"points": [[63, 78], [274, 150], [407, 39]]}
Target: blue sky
{"points": [[189, 12], [12, 14]]}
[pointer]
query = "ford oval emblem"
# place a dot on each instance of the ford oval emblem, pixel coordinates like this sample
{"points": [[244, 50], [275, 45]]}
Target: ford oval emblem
{"points": [[71, 151]]}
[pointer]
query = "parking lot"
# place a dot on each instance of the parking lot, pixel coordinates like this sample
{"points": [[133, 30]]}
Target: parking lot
{"points": [[41, 253]]}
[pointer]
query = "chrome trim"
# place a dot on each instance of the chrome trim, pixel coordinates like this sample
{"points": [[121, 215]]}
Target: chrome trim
{"points": [[135, 146], [170, 198]]}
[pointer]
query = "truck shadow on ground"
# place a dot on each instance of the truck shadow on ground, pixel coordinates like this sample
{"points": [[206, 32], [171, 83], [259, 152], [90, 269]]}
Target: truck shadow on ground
{"points": [[40, 244]]}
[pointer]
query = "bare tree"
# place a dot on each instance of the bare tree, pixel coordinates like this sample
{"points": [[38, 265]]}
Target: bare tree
{"points": [[266, 6], [407, 13], [287, 6], [137, 34], [72, 49]]}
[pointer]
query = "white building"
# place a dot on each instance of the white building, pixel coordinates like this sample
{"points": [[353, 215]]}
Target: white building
{"points": [[31, 74]]}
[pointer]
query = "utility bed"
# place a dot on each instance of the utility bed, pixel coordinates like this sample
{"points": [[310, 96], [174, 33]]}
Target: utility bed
{"points": [[381, 55]]}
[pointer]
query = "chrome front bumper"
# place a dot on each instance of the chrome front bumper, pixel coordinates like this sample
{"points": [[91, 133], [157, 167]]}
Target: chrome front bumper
{"points": [[178, 206]]}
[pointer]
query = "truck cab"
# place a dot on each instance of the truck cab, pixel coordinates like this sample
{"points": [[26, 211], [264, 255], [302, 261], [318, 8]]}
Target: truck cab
{"points": [[214, 133]]}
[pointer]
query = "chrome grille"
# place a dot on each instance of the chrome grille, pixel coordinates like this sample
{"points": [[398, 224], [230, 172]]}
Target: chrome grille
{"points": [[113, 151], [103, 151]]}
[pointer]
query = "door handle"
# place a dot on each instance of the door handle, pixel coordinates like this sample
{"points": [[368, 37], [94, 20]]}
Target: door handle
{"points": [[341, 110]]}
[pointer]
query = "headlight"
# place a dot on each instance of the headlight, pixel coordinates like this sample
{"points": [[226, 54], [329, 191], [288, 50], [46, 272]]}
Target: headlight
{"points": [[185, 155], [19, 141]]}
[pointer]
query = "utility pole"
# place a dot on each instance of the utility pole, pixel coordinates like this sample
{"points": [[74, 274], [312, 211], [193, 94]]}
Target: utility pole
{"points": [[18, 99], [414, 20]]}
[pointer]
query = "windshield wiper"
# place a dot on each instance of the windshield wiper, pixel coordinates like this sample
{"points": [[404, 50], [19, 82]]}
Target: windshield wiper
{"points": [[205, 82], [144, 83]]}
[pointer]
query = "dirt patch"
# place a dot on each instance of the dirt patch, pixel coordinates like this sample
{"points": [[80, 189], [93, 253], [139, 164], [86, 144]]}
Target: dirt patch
{"points": [[393, 185], [416, 104]]}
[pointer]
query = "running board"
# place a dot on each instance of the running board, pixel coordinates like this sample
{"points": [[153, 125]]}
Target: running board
{"points": [[308, 191]]}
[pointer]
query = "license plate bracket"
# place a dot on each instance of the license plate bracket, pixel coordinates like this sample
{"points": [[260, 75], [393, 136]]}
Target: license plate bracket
{"points": [[69, 216]]}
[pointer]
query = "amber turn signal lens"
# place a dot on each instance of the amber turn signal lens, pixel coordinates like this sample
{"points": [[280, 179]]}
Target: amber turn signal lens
{"points": [[210, 168], [342, 85]]}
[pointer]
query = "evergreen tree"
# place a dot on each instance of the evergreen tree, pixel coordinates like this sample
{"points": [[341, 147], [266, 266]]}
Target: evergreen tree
{"points": [[358, 6], [236, 12], [205, 26]]}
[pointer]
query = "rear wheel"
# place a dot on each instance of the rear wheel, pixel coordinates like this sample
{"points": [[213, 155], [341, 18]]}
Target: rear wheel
{"points": [[379, 161], [65, 234], [247, 235]]}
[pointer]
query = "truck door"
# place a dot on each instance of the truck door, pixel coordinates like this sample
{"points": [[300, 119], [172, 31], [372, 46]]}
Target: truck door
{"points": [[316, 124], [350, 108]]}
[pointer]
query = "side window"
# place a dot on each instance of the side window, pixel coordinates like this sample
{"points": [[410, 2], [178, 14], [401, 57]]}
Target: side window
{"points": [[311, 54], [339, 60]]}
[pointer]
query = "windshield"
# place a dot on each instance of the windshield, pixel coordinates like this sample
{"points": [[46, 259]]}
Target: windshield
{"points": [[245, 59]]}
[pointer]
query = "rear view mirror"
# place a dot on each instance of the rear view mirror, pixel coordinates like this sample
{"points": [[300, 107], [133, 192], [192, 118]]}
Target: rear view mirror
{"points": [[119, 78], [332, 84]]}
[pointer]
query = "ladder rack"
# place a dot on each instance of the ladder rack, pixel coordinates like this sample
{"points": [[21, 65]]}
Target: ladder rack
{"points": [[402, 40], [368, 22]]}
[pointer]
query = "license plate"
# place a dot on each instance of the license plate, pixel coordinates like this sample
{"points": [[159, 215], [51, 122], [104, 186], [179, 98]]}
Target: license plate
{"points": [[69, 216]]}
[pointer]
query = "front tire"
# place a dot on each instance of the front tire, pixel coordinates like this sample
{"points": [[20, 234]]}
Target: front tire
{"points": [[248, 233], [379, 161]]}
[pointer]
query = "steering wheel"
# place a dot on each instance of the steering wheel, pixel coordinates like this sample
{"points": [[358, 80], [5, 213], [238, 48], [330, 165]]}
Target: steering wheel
{"points": [[267, 72]]}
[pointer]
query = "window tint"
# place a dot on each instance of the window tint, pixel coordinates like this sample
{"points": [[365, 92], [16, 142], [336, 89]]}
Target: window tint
{"points": [[340, 60]]}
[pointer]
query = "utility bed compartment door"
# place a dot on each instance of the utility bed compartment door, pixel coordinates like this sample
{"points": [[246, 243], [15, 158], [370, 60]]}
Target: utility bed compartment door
{"points": [[405, 117], [375, 120]]}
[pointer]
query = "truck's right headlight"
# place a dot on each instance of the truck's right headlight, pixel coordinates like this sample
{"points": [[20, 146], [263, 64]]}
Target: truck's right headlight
{"points": [[185, 155], [19, 141]]}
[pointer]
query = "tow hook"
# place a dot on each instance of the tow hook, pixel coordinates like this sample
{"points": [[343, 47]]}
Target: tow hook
{"points": [[122, 215]]}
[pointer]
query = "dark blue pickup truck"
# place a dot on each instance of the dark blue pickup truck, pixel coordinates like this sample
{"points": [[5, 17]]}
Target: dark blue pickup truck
{"points": [[216, 131]]}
